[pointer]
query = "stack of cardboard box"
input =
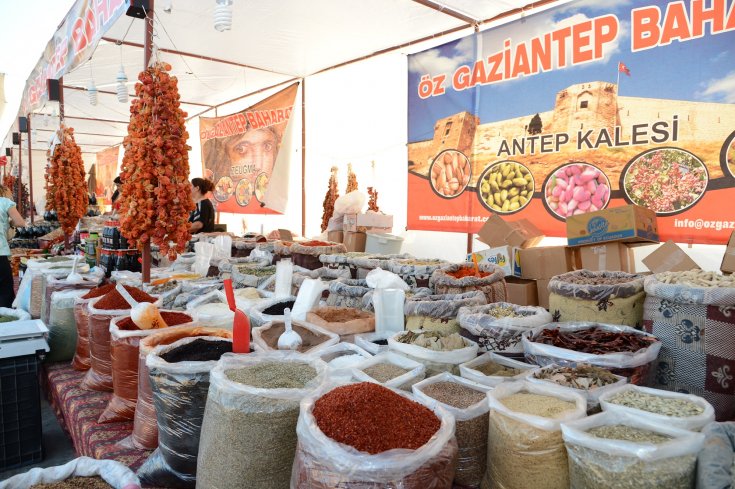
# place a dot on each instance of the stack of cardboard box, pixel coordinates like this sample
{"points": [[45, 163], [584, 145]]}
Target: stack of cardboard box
{"points": [[728, 261], [354, 227]]}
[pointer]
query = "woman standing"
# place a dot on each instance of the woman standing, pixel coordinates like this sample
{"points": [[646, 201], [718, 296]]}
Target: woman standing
{"points": [[202, 217], [8, 214]]}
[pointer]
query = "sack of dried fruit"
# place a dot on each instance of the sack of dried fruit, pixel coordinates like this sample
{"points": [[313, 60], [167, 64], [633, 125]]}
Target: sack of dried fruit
{"points": [[606, 297], [439, 312], [416, 272], [499, 326], [462, 277], [680, 309], [338, 445], [252, 409], [347, 292], [80, 472], [306, 253], [438, 351]]}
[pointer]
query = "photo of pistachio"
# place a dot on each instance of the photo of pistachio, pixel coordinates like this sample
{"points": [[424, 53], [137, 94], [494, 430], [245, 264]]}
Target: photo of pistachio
{"points": [[450, 173], [505, 187]]}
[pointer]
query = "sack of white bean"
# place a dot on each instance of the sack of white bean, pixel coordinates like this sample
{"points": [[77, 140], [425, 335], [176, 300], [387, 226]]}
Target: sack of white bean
{"points": [[693, 314]]}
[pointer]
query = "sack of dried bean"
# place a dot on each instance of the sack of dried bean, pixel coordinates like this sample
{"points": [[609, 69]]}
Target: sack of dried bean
{"points": [[270, 310], [81, 359], [52, 284], [306, 253], [125, 337], [439, 352], [499, 326], [416, 272], [716, 461], [622, 350], [249, 428], [391, 370], [525, 446], [345, 292], [692, 314], [339, 445], [492, 369], [179, 375], [606, 297], [618, 451], [369, 262], [460, 278], [439, 312], [62, 329], [145, 427], [467, 402], [113, 473]]}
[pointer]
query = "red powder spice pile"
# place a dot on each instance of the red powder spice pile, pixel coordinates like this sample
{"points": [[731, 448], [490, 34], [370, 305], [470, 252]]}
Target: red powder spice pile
{"points": [[98, 292], [170, 318], [316, 243], [468, 272], [373, 419], [113, 299]]}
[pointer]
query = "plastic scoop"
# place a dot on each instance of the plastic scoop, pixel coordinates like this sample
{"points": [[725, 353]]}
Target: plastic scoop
{"points": [[74, 277], [145, 315], [289, 339], [477, 266], [241, 323]]}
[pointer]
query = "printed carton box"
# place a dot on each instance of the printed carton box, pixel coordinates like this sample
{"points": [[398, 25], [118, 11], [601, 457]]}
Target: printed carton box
{"points": [[505, 257], [631, 224]]}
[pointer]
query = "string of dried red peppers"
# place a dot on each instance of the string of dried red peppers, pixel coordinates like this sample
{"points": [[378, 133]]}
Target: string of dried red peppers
{"points": [[66, 189], [156, 194], [594, 340]]}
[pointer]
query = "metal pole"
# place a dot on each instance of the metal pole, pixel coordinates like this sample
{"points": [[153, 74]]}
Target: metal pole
{"points": [[19, 194], [148, 53], [61, 99], [303, 157], [30, 167]]}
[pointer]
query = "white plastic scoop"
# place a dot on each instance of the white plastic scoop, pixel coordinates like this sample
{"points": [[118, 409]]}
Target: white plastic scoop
{"points": [[145, 315], [289, 339], [74, 277]]}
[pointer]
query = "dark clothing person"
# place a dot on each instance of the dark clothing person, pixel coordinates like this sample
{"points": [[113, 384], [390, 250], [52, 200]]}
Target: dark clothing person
{"points": [[204, 213], [7, 294]]}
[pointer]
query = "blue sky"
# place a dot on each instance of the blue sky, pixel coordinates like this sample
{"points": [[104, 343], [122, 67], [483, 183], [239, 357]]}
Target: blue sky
{"points": [[699, 69]]}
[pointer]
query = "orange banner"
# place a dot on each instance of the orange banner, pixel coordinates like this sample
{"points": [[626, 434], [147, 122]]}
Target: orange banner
{"points": [[106, 172]]}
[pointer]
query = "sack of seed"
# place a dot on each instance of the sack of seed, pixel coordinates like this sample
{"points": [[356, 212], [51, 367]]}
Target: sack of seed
{"points": [[179, 375], [491, 369], [76, 473], [249, 429], [462, 277], [499, 326], [467, 402], [346, 292], [439, 312], [391, 370], [622, 451], [269, 310]]}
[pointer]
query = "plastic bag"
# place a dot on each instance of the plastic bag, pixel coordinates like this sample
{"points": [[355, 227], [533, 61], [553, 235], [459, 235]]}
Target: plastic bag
{"points": [[435, 361], [349, 203], [204, 252], [715, 461], [493, 285], [416, 371], [415, 272], [691, 423], [368, 262], [314, 337], [81, 359], [62, 337], [259, 318], [363, 322], [222, 247], [179, 395], [340, 358], [471, 429], [373, 343], [259, 422], [382, 279], [468, 370], [600, 463], [322, 463], [439, 312], [527, 451], [53, 284], [114, 473], [500, 333], [324, 274], [145, 427], [349, 293], [635, 366], [167, 292], [212, 310], [18, 313], [30, 287], [308, 297]]}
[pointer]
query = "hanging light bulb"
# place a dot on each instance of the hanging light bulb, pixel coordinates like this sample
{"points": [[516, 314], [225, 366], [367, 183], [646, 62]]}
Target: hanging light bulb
{"points": [[122, 88], [92, 93], [223, 15]]}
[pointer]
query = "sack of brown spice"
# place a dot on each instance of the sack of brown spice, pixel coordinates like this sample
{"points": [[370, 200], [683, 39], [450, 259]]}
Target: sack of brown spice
{"points": [[391, 370], [500, 325], [467, 402], [113, 473], [621, 451], [249, 428], [492, 369]]}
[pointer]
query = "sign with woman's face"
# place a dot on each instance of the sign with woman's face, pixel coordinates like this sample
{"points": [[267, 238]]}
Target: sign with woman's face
{"points": [[239, 152]]}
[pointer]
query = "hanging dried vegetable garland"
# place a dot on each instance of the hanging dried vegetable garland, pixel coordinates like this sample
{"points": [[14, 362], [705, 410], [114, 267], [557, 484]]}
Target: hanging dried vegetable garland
{"points": [[373, 200], [156, 194], [351, 179], [66, 188], [329, 198]]}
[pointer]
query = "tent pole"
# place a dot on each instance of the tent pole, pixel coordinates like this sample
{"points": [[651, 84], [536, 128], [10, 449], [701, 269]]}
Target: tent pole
{"points": [[19, 194], [303, 157], [469, 243], [61, 99], [148, 52], [30, 167]]}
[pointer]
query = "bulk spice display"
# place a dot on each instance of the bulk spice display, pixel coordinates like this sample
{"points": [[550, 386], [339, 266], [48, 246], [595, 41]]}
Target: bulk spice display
{"points": [[156, 194], [594, 340], [680, 408], [432, 340], [310, 338], [495, 369], [113, 300], [383, 372], [585, 377], [66, 189], [468, 272]]}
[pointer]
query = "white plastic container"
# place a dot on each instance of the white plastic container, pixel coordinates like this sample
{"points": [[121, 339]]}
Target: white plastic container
{"points": [[385, 244], [388, 304]]}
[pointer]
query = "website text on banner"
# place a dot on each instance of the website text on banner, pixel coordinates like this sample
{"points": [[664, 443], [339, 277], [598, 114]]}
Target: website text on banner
{"points": [[578, 108]]}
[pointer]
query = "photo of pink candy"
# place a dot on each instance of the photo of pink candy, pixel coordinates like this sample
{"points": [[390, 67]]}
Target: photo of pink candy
{"points": [[576, 188]]}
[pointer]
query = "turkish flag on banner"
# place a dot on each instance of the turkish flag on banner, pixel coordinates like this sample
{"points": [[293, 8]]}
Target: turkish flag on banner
{"points": [[623, 69]]}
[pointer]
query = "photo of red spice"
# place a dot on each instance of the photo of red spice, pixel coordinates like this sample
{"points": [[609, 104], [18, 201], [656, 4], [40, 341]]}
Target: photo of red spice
{"points": [[666, 180]]}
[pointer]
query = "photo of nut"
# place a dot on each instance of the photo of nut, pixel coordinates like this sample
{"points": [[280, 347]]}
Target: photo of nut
{"points": [[505, 187], [450, 173]]}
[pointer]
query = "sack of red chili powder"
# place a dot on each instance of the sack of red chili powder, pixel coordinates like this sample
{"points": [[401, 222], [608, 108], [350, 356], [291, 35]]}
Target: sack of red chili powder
{"points": [[461, 277], [366, 435], [81, 315], [101, 312], [124, 349]]}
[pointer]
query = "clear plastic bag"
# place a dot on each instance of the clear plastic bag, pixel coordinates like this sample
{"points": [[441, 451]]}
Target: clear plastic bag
{"points": [[62, 337], [373, 343], [81, 360], [18, 313], [492, 285], [265, 341], [259, 318], [416, 371], [715, 461], [435, 361], [468, 370], [439, 312], [322, 463], [500, 333], [349, 293], [114, 473], [471, 429], [600, 463], [212, 310], [53, 284], [259, 423], [349, 203]]}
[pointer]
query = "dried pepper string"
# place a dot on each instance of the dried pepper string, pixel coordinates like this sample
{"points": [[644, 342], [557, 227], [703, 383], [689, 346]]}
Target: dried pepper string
{"points": [[66, 188]]}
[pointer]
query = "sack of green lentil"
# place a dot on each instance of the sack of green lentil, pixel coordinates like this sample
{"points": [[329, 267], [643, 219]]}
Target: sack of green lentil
{"points": [[716, 461], [249, 429], [270, 310], [345, 292], [438, 351], [349, 437], [692, 314], [607, 297], [439, 312], [416, 272], [461, 277], [249, 275], [499, 326], [179, 374], [621, 451], [313, 337], [391, 370], [674, 409], [74, 473], [525, 446], [8, 315], [467, 402], [62, 327], [492, 369]]}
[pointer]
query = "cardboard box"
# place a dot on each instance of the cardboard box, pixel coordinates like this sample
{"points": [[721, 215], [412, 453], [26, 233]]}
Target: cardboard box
{"points": [[373, 222], [542, 289], [519, 234], [335, 236], [546, 262], [354, 241], [728, 261], [521, 291], [505, 257], [614, 257], [630, 224], [669, 258]]}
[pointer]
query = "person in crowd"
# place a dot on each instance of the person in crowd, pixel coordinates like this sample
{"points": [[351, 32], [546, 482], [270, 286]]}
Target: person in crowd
{"points": [[202, 217], [9, 215]]}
